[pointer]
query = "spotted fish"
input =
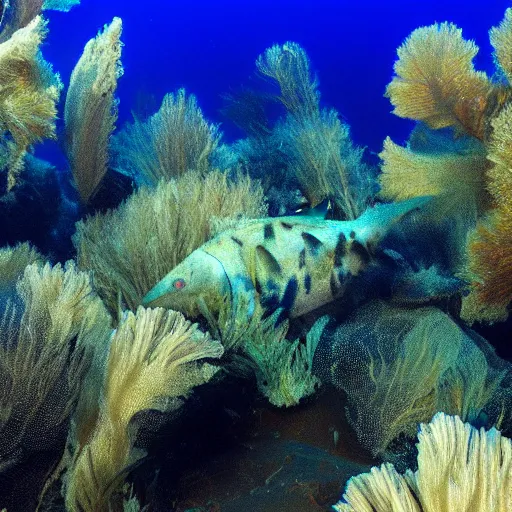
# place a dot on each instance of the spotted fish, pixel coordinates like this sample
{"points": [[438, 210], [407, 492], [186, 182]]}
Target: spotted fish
{"points": [[297, 263]]}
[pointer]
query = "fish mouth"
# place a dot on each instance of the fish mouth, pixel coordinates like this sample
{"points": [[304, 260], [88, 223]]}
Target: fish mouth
{"points": [[160, 294]]}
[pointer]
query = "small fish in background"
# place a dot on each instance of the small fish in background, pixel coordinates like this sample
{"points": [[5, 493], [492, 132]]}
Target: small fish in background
{"points": [[294, 263]]}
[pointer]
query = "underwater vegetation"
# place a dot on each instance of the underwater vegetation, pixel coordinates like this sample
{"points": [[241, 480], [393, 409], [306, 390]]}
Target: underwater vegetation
{"points": [[278, 268]]}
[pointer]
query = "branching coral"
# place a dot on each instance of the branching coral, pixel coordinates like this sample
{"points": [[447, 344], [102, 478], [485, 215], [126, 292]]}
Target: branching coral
{"points": [[459, 468], [398, 367], [435, 80], [45, 351], [90, 111], [132, 248], [29, 91], [152, 362], [174, 140]]}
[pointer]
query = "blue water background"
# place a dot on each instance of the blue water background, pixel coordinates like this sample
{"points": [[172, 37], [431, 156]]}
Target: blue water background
{"points": [[209, 47]]}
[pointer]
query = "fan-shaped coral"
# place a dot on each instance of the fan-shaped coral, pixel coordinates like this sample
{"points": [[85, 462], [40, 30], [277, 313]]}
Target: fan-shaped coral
{"points": [[151, 363], [174, 140], [460, 469], [90, 111]]}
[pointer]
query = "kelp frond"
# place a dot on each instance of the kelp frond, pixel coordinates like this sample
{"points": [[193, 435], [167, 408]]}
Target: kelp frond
{"points": [[174, 140], [90, 111], [153, 361], [436, 83], [29, 91]]}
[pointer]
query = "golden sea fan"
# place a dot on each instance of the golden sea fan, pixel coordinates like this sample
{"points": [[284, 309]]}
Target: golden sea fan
{"points": [[436, 82]]}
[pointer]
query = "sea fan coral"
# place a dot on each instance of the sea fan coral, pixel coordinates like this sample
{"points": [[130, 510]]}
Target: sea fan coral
{"points": [[436, 83], [398, 367], [501, 39], [29, 92], [90, 111], [13, 261], [45, 351], [490, 245], [459, 469], [152, 362], [130, 249], [457, 178], [174, 140]]}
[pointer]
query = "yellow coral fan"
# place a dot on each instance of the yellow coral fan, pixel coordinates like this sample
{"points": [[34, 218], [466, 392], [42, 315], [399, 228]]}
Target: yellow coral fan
{"points": [[152, 362], [45, 351], [435, 81], [90, 111], [490, 245], [29, 92], [501, 39], [459, 469], [13, 261], [130, 249], [174, 140], [458, 178]]}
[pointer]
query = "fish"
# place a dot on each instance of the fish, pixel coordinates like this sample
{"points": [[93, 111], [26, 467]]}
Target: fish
{"points": [[294, 263]]}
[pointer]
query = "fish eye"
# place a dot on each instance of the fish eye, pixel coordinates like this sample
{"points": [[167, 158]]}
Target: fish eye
{"points": [[179, 284]]}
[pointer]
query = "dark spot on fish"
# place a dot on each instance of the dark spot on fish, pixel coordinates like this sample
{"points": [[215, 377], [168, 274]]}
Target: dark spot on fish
{"points": [[267, 259], [311, 242], [268, 232], [269, 302], [237, 241], [339, 250], [307, 283], [257, 286], [361, 251], [290, 293], [283, 315], [302, 258], [333, 285], [352, 234], [286, 225]]}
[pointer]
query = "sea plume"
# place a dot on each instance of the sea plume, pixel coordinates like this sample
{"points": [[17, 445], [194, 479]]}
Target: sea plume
{"points": [[90, 111], [459, 468]]}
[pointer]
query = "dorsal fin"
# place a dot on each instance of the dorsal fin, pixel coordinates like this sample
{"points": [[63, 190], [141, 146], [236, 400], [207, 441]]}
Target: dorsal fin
{"points": [[320, 210], [267, 263]]}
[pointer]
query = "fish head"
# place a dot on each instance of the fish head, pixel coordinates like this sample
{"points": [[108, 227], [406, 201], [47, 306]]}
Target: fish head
{"points": [[200, 275]]}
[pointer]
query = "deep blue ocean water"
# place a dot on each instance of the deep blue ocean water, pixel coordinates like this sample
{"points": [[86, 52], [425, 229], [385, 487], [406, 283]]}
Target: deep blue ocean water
{"points": [[209, 47]]}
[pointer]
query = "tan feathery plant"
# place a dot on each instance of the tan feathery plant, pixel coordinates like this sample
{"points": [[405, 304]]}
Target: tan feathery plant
{"points": [[459, 469], [153, 361], [130, 249], [90, 112], [29, 91], [171, 142], [45, 350], [436, 83]]}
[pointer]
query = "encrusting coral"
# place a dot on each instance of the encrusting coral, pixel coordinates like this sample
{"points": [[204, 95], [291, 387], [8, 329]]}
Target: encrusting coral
{"points": [[152, 363], [130, 249], [460, 469], [90, 111], [174, 140], [29, 91]]}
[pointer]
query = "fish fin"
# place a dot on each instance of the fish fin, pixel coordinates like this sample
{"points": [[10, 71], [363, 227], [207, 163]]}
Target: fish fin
{"points": [[320, 210]]}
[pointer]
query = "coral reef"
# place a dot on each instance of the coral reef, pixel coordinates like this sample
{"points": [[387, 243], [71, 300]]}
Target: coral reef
{"points": [[459, 468]]}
